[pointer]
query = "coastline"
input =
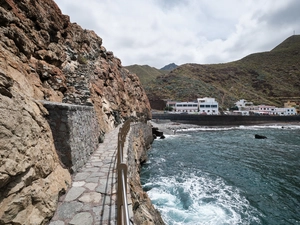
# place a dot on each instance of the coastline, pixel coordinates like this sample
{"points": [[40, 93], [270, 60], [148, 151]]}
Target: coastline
{"points": [[226, 120], [168, 126]]}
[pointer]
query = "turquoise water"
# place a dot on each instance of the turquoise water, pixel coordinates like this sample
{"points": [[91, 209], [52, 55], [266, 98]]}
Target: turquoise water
{"points": [[221, 176]]}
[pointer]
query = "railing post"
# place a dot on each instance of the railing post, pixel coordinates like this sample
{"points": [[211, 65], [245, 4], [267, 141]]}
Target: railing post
{"points": [[123, 214], [122, 206]]}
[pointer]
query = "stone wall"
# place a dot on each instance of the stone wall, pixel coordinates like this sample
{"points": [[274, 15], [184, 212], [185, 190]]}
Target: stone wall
{"points": [[139, 141], [225, 120], [75, 131]]}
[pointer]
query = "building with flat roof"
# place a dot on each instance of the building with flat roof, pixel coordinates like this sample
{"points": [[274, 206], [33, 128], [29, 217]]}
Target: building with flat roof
{"points": [[204, 106], [208, 106]]}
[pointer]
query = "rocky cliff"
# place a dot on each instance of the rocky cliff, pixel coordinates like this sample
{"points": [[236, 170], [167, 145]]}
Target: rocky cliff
{"points": [[45, 57], [140, 139]]}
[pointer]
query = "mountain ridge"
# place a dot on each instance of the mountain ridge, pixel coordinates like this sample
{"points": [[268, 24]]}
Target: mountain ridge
{"points": [[270, 77], [169, 67]]}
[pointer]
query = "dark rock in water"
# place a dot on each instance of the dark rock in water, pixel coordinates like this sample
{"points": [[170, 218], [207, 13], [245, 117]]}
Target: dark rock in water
{"points": [[154, 136], [257, 136], [159, 133], [154, 129], [162, 137], [156, 132]]}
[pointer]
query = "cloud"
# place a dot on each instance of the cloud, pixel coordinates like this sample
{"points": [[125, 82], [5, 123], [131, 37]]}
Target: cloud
{"points": [[159, 32]]}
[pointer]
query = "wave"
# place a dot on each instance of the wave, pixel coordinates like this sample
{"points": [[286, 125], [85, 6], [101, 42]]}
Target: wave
{"points": [[200, 199], [253, 127]]}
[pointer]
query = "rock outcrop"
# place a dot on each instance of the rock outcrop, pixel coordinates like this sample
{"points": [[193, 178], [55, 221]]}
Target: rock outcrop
{"points": [[140, 139], [31, 177], [45, 57]]}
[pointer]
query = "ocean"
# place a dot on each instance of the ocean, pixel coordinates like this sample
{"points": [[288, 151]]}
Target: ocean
{"points": [[218, 176]]}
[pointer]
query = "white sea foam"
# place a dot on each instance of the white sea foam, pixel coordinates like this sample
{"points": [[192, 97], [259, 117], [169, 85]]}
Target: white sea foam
{"points": [[201, 199], [205, 129], [274, 126], [241, 127]]}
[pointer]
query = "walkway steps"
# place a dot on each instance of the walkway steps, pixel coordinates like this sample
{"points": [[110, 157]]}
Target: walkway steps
{"points": [[92, 198]]}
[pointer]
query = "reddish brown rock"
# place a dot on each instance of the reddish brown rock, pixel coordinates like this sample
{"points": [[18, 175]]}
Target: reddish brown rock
{"points": [[45, 57]]}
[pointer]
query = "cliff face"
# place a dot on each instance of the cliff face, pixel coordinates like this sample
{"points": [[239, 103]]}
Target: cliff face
{"points": [[53, 59], [140, 138], [45, 57]]}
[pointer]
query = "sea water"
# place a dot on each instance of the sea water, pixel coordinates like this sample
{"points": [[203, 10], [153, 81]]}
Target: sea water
{"points": [[223, 175]]}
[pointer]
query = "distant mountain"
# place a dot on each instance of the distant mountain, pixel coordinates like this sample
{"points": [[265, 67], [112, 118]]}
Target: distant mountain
{"points": [[145, 73], [264, 78], [169, 67]]}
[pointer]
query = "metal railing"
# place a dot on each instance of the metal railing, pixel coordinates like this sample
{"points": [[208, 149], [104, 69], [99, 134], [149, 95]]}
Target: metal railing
{"points": [[122, 205]]}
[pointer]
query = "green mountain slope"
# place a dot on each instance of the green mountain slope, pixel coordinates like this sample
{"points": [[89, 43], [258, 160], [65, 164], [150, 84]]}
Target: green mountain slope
{"points": [[263, 78], [145, 73]]}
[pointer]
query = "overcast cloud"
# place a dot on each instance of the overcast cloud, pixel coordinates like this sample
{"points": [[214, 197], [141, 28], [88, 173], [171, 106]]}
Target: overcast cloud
{"points": [[159, 32]]}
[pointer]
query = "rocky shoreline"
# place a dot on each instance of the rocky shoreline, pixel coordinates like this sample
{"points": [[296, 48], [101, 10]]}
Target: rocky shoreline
{"points": [[168, 127]]}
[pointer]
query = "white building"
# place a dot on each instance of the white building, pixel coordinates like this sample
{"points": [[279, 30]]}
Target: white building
{"points": [[285, 111], [171, 104], [244, 106], [266, 109], [208, 106], [186, 107], [240, 113]]}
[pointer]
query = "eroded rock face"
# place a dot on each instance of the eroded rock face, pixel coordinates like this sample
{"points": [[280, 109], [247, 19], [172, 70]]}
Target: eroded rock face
{"points": [[62, 62], [45, 57], [31, 177], [139, 143]]}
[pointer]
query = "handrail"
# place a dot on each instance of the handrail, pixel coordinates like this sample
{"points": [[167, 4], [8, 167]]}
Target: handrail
{"points": [[122, 206]]}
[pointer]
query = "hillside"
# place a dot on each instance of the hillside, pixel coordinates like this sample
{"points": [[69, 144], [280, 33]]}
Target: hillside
{"points": [[263, 78], [145, 72]]}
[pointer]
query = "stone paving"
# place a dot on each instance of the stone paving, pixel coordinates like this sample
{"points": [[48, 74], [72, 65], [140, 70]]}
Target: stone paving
{"points": [[92, 198]]}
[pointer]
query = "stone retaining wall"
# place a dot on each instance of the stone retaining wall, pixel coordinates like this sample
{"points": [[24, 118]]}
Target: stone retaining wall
{"points": [[75, 131], [225, 120]]}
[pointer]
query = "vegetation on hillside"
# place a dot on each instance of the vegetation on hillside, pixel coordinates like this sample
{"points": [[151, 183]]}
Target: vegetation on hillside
{"points": [[263, 78], [145, 73]]}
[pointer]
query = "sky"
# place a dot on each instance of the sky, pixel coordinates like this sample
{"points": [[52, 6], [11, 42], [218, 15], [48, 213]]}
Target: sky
{"points": [[160, 32]]}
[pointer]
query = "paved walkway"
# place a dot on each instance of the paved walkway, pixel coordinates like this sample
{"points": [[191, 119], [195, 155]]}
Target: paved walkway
{"points": [[92, 198]]}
